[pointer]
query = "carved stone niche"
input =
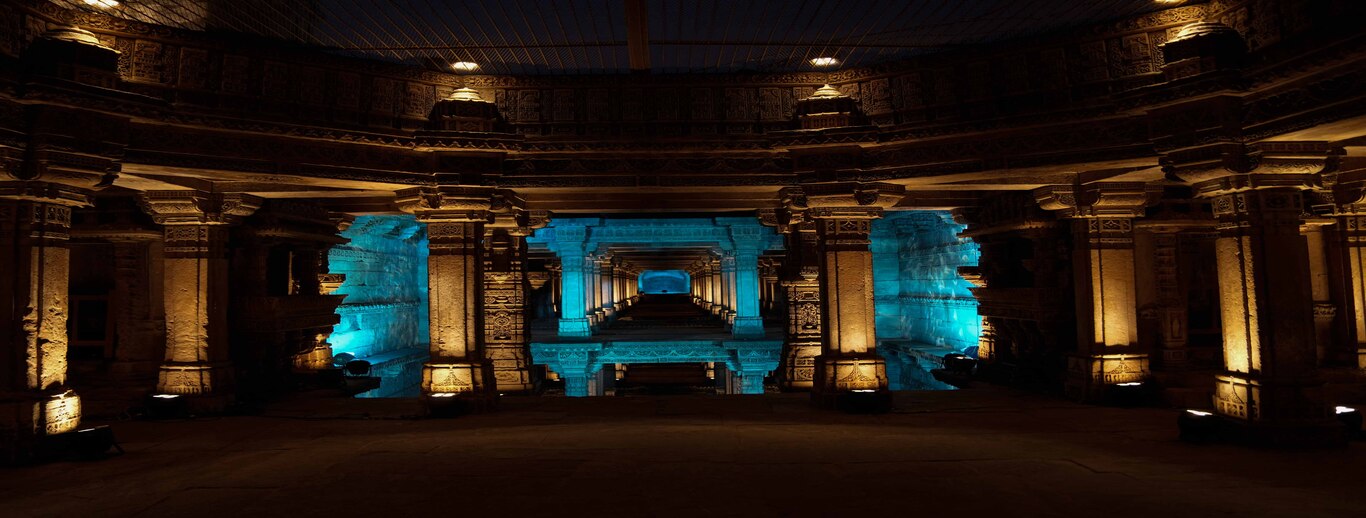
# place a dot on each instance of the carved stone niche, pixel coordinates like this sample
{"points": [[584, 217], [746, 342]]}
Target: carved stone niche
{"points": [[73, 54], [1202, 47], [465, 110], [828, 108]]}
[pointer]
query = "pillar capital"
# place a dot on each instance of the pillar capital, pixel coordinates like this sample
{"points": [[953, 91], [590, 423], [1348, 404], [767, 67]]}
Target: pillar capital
{"points": [[1231, 167], [198, 207], [1097, 200], [462, 204]]}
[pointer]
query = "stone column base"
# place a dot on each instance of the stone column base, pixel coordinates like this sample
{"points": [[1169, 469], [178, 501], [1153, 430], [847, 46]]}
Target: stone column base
{"points": [[575, 327], [205, 386], [1361, 356], [514, 381], [458, 387], [798, 366], [852, 384], [26, 417], [317, 359], [748, 382], [1089, 377], [730, 317]]}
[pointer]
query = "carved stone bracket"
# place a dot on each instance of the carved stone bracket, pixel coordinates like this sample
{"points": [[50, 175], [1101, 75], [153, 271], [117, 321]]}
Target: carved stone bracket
{"points": [[197, 208]]}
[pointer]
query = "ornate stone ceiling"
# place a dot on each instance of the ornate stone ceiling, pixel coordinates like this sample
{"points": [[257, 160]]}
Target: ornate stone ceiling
{"points": [[519, 37]]}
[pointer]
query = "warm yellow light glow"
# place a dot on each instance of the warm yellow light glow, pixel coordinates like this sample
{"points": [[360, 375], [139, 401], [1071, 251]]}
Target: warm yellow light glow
{"points": [[62, 413], [465, 66], [103, 4], [825, 61], [1169, 2]]}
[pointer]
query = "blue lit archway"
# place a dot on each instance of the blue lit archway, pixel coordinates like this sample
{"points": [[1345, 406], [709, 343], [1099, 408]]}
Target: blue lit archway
{"points": [[664, 281]]}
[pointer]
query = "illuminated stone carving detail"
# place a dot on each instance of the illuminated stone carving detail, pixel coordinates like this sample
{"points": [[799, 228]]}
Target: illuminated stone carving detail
{"points": [[61, 413], [1103, 270], [843, 213], [455, 217]]}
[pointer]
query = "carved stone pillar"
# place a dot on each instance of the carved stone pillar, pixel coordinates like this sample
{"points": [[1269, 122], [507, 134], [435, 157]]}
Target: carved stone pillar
{"points": [[802, 292], [1271, 385], [1172, 310], [849, 368], [1324, 310], [607, 280], [455, 217], [574, 321], [713, 269], [594, 287], [506, 288], [197, 284], [1108, 351], [728, 285], [35, 221], [141, 329], [1349, 237]]}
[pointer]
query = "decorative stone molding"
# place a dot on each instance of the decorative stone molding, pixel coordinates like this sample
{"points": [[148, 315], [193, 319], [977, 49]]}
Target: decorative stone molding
{"points": [[198, 208]]}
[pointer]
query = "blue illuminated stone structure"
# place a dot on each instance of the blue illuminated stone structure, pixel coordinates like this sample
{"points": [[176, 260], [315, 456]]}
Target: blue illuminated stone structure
{"points": [[924, 308], [578, 363], [384, 316], [583, 247], [664, 281]]}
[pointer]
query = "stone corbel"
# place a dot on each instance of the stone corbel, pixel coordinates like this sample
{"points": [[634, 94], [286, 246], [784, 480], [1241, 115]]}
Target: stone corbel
{"points": [[197, 207], [1098, 200], [1239, 167], [464, 204]]}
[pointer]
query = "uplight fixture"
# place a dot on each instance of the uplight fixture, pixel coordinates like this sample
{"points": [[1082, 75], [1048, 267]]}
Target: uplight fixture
{"points": [[165, 396], [1343, 409], [824, 61], [465, 66], [1199, 413]]}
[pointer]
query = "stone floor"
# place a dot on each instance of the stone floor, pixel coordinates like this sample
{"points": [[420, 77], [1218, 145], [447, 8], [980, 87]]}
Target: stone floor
{"points": [[977, 452]]}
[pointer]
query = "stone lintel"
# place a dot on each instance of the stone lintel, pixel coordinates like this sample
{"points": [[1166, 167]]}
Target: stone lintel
{"points": [[198, 207], [1097, 200]]}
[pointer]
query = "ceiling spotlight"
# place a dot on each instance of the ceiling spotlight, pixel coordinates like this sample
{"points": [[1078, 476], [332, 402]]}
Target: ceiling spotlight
{"points": [[103, 4], [465, 66], [825, 61]]}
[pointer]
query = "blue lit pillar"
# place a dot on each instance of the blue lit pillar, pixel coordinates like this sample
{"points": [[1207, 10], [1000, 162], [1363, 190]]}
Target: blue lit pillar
{"points": [[573, 261], [728, 286], [575, 363], [607, 275], [748, 323], [714, 287]]}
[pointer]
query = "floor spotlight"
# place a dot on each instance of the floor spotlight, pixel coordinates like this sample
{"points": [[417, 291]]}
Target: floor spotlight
{"points": [[445, 404], [1199, 426], [1127, 394], [1350, 418], [166, 406]]}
